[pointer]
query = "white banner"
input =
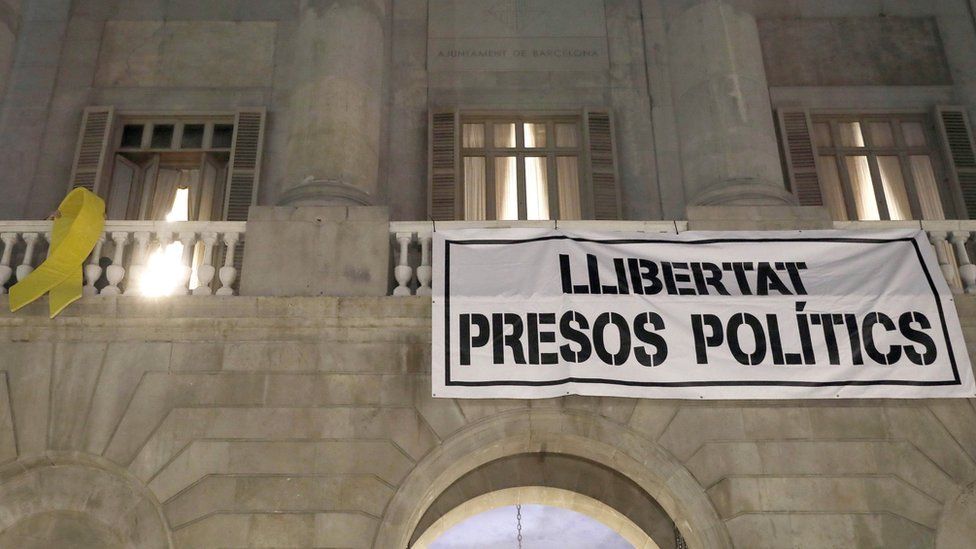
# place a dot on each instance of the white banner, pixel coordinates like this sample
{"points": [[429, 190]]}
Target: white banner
{"points": [[527, 313]]}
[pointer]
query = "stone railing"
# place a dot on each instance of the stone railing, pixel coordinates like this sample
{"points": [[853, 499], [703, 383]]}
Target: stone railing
{"points": [[953, 242], [131, 253], [412, 243]]}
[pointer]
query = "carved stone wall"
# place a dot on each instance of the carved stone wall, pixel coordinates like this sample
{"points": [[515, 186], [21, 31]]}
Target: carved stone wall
{"points": [[308, 422]]}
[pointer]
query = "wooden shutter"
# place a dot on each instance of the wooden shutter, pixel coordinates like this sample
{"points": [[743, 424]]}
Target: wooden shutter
{"points": [[796, 140], [443, 150], [245, 164], [957, 141], [121, 193], [88, 170], [604, 190]]}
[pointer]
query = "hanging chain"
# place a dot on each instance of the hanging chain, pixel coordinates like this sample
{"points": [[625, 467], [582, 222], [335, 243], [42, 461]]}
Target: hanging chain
{"points": [[679, 540], [518, 524]]}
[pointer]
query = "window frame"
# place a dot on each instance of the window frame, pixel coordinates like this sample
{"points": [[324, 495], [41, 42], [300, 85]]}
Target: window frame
{"points": [[949, 195], [551, 152], [138, 204], [179, 121]]}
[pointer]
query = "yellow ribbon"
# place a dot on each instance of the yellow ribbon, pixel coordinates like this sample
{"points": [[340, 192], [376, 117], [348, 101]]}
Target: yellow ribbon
{"points": [[73, 237]]}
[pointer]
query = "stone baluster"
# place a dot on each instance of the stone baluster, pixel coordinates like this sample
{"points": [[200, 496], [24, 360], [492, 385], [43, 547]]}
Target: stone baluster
{"points": [[116, 272], [188, 239], [938, 240], [47, 238], [26, 267], [424, 270], [93, 270], [403, 272], [164, 239], [8, 240], [206, 271], [227, 273], [137, 266], [967, 271]]}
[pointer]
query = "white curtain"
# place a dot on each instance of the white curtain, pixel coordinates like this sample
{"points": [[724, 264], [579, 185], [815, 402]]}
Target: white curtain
{"points": [[208, 190], [821, 133], [893, 182], [567, 176], [535, 135], [504, 135], [536, 188], [926, 187], [473, 136], [536, 175], [506, 188], [881, 134], [566, 135], [167, 182], [474, 188], [833, 193], [914, 134], [850, 134], [863, 187]]}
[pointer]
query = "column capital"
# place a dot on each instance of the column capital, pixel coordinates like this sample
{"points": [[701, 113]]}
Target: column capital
{"points": [[324, 192]]}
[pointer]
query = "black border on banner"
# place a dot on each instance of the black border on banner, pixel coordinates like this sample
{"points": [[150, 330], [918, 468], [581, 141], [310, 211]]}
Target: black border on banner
{"points": [[601, 381]]}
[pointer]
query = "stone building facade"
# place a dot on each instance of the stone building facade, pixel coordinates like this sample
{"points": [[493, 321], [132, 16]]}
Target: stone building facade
{"points": [[299, 413]]}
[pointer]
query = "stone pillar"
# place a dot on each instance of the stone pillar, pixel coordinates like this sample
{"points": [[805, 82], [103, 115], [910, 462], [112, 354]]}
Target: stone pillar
{"points": [[336, 105], [729, 153]]}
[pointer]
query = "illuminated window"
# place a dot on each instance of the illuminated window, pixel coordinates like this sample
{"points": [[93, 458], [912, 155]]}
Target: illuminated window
{"points": [[155, 157], [879, 167], [521, 167]]}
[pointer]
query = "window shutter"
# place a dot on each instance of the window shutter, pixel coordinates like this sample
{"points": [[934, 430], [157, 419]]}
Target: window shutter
{"points": [[444, 181], [88, 170], [957, 141], [603, 178], [796, 140], [245, 164]]}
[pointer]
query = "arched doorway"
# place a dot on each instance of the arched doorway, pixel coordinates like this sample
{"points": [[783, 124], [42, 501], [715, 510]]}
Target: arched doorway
{"points": [[549, 516], [519, 448], [556, 477]]}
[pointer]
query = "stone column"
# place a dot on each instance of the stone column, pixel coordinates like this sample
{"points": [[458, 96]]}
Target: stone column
{"points": [[728, 144], [336, 105]]}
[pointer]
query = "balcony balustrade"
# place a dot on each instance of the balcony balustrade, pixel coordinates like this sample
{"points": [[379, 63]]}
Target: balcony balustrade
{"points": [[952, 240], [136, 257]]}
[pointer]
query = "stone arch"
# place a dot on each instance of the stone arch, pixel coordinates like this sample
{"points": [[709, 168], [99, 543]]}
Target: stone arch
{"points": [[47, 499], [555, 497], [564, 473], [572, 433]]}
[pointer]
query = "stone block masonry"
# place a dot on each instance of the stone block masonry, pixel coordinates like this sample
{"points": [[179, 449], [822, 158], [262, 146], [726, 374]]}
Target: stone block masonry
{"points": [[301, 422]]}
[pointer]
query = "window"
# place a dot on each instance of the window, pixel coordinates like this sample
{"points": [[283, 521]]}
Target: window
{"points": [[531, 166], [515, 168], [172, 167], [119, 155], [164, 164], [879, 167]]}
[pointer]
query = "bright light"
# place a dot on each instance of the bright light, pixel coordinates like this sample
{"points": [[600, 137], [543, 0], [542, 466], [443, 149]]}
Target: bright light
{"points": [[163, 272], [181, 206]]}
